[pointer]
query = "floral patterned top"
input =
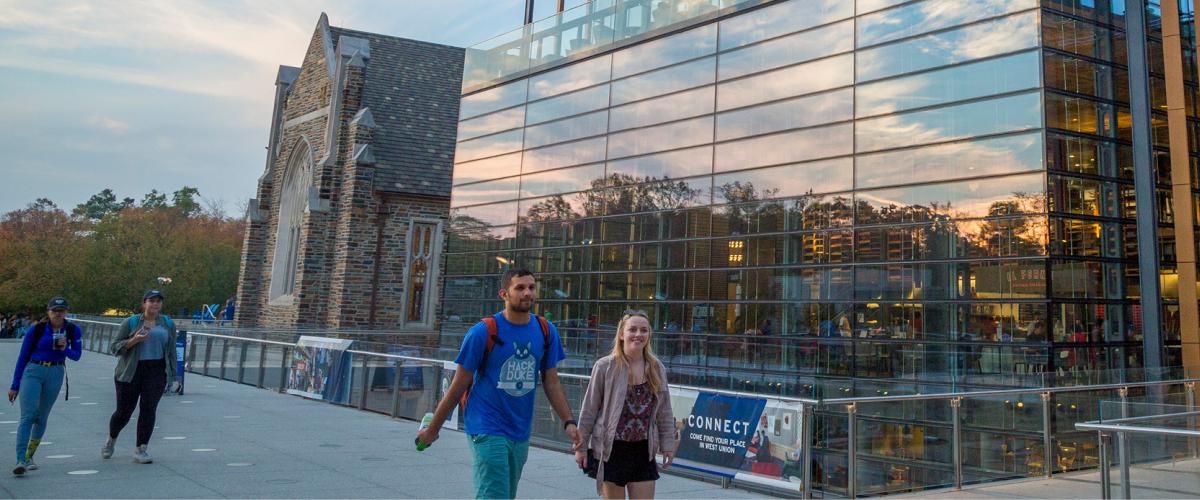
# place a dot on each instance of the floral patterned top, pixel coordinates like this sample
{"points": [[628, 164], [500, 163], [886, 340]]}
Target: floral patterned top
{"points": [[634, 424]]}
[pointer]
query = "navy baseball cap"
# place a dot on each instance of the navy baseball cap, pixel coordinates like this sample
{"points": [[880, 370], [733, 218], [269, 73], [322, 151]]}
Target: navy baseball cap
{"points": [[57, 303], [152, 294]]}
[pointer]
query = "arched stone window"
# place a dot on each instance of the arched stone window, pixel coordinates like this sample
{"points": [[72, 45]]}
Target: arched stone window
{"points": [[419, 276], [292, 202]]}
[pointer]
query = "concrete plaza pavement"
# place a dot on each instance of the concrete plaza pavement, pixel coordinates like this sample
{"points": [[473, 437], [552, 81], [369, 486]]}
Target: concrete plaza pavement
{"points": [[226, 440]]}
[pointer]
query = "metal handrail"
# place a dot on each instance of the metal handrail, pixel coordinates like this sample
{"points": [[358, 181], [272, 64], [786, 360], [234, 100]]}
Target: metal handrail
{"points": [[1137, 429], [807, 406]]}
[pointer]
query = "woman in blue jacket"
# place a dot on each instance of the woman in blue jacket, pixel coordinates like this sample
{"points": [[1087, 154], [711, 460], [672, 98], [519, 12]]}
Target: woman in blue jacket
{"points": [[39, 375]]}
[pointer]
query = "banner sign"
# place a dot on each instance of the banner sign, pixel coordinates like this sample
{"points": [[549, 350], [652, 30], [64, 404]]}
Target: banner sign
{"points": [[748, 439], [718, 430], [320, 369]]}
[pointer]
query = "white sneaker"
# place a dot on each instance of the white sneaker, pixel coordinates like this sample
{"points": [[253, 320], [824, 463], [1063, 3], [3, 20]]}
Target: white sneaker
{"points": [[29, 465], [140, 456], [19, 469], [106, 451]]}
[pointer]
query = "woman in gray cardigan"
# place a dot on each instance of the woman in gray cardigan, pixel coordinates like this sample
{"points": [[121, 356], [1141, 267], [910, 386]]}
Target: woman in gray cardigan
{"points": [[626, 418]]}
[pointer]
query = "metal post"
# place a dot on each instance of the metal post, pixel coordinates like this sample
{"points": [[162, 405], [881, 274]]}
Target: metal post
{"points": [[242, 362], [283, 371], [262, 364], [851, 450], [955, 404], [396, 392], [1047, 436], [363, 385], [1105, 465], [207, 354], [1190, 392], [1123, 445], [806, 420], [528, 11], [224, 354]]}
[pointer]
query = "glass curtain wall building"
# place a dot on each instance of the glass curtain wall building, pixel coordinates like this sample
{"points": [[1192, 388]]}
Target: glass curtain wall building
{"points": [[834, 198], [830, 197]]}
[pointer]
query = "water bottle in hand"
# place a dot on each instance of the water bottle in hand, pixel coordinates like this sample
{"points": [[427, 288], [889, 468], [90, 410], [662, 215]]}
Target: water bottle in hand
{"points": [[425, 422]]}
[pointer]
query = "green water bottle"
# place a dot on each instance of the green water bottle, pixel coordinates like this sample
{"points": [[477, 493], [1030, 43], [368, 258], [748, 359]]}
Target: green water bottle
{"points": [[425, 421]]}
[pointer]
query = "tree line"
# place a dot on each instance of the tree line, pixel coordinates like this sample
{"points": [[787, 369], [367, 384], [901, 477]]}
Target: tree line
{"points": [[105, 253]]}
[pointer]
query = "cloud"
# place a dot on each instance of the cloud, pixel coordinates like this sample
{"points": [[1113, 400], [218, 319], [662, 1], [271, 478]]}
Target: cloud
{"points": [[109, 124]]}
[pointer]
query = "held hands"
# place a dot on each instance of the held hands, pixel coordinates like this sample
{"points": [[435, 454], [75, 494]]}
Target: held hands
{"points": [[581, 458], [573, 433]]}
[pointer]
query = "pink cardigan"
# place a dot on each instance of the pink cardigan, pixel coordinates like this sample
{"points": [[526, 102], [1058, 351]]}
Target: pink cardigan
{"points": [[602, 405]]}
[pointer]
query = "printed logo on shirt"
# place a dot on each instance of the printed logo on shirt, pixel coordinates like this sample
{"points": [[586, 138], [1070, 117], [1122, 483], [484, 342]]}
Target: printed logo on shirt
{"points": [[517, 374]]}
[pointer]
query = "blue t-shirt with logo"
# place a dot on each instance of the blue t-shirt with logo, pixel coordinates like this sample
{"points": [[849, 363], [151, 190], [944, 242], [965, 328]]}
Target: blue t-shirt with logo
{"points": [[502, 397]]}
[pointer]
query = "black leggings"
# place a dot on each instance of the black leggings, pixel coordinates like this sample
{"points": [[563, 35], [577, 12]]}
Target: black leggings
{"points": [[148, 385]]}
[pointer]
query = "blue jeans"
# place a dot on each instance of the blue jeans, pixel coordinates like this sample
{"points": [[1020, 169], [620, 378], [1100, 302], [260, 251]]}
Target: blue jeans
{"points": [[497, 463], [39, 390]]}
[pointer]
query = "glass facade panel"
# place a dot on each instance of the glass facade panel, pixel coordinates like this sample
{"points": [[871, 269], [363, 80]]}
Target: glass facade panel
{"points": [[566, 130], [931, 15], [781, 19], [504, 96], [788, 147], [664, 81], [1000, 36], [683, 163], [805, 78], [490, 124], [492, 145], [958, 83], [567, 105], [572, 77], [791, 49], [497, 214], [564, 155], [491, 168], [485, 192], [786, 181], [671, 136], [802, 112], [561, 181], [954, 200], [690, 44], [1021, 112], [662, 109], [985, 157]]}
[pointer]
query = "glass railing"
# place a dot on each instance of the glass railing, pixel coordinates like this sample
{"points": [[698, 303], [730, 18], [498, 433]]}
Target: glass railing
{"points": [[587, 29], [1156, 446], [908, 437]]}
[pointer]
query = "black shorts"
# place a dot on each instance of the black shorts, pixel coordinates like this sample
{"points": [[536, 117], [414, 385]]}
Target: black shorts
{"points": [[626, 464]]}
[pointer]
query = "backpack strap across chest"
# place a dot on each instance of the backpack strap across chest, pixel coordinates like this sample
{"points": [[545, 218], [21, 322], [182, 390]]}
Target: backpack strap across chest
{"points": [[493, 339]]}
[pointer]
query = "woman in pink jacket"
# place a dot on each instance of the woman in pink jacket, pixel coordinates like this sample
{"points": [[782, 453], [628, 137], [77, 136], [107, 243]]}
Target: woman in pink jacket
{"points": [[626, 418]]}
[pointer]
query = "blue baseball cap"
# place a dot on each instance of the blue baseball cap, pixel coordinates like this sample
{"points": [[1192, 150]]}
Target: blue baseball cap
{"points": [[152, 294], [57, 303]]}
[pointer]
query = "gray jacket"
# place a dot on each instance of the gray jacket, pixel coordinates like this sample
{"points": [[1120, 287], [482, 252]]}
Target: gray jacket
{"points": [[127, 357], [602, 405]]}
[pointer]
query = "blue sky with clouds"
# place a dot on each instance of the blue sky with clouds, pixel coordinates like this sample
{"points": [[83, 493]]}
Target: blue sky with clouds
{"points": [[140, 95]]}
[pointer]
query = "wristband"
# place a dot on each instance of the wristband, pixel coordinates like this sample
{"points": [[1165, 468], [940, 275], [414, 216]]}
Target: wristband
{"points": [[570, 421]]}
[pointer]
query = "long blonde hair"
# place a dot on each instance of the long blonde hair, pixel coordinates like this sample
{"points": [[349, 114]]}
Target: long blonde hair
{"points": [[653, 375]]}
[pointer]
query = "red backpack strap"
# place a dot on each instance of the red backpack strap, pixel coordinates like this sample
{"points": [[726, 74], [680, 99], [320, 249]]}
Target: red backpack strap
{"points": [[493, 336], [545, 334]]}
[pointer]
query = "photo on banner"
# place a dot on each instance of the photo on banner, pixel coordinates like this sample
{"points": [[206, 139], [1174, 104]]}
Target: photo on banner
{"points": [[320, 369]]}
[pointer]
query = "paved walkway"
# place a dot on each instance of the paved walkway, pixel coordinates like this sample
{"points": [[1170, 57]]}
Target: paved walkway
{"points": [[223, 440], [1162, 480]]}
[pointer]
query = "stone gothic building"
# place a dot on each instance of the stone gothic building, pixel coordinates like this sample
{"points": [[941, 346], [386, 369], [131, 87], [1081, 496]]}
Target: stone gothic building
{"points": [[346, 229]]}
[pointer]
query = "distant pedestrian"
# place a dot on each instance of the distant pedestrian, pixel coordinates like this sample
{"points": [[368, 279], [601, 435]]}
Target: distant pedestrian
{"points": [[41, 368], [626, 418], [230, 309], [499, 363], [145, 350]]}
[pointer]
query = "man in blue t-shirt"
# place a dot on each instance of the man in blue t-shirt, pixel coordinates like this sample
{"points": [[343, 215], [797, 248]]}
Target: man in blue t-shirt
{"points": [[499, 408]]}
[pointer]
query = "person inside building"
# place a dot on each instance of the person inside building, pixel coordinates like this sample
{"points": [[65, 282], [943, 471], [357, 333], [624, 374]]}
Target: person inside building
{"points": [[498, 368], [626, 418], [39, 374], [146, 358]]}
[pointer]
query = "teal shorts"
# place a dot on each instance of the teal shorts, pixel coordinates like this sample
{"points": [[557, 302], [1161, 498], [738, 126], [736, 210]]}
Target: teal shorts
{"points": [[497, 463]]}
